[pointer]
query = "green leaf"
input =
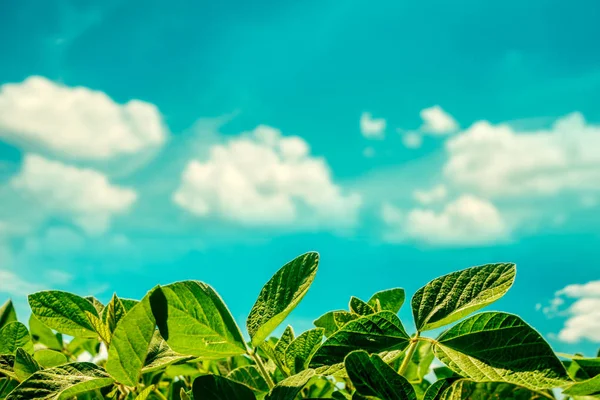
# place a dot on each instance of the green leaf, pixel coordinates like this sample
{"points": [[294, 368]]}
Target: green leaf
{"points": [[113, 312], [7, 313], [388, 300], [357, 306], [64, 312], [185, 395], [289, 388], [374, 333], [280, 296], [371, 376], [250, 376], [130, 343], [13, 336], [25, 365], [144, 394], [435, 391], [419, 364], [49, 358], [589, 366], [589, 387], [454, 296], [61, 383], [100, 327], [466, 389], [44, 335], [160, 355], [341, 318], [128, 304], [194, 320], [300, 351], [7, 362], [96, 303], [215, 387], [284, 341], [500, 347], [327, 322]]}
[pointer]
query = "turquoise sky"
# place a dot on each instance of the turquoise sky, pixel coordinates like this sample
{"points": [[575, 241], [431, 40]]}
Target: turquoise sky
{"points": [[145, 142]]}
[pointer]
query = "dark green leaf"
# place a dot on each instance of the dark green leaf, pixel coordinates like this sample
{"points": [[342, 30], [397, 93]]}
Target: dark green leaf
{"points": [[456, 295], [357, 306], [281, 295], [250, 376], [7, 313], [7, 362], [300, 351], [388, 300], [289, 388], [341, 318], [327, 322], [14, 335], [160, 355], [466, 389], [214, 387], [435, 391]]}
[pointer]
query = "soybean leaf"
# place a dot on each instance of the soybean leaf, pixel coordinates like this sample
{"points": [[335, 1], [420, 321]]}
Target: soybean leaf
{"points": [[215, 387], [341, 318], [128, 304], [388, 300], [456, 295], [290, 387], [193, 320], [14, 335], [280, 296], [7, 362], [371, 376], [61, 383], [100, 327], [418, 366], [357, 306], [40, 333], [374, 333], [500, 347], [466, 389], [144, 394], [300, 351], [49, 358], [130, 343], [96, 303], [435, 391], [113, 312], [250, 376], [160, 355], [185, 395], [327, 322], [589, 387], [284, 341], [590, 367], [25, 365], [7, 313], [64, 312]]}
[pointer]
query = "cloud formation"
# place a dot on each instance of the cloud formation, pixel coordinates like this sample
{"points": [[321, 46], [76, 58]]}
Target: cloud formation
{"points": [[265, 178], [76, 122], [436, 121], [83, 196], [372, 128]]}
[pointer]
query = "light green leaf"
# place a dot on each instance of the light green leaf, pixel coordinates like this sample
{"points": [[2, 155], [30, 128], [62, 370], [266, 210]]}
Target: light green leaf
{"points": [[589, 387], [14, 335], [96, 303], [357, 306], [466, 389], [113, 312], [327, 322], [145, 393], [371, 376], [374, 333], [25, 365], [7, 313], [61, 383], [44, 335], [100, 327], [280, 296], [500, 347], [215, 387], [388, 300], [130, 343], [185, 395], [198, 322], [160, 355], [49, 358], [64, 312], [456, 295], [300, 351], [289, 388], [250, 376]]}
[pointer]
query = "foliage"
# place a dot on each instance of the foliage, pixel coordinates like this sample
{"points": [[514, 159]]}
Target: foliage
{"points": [[181, 342]]}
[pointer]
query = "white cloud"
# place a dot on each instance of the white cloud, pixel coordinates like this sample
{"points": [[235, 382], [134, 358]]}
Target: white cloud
{"points": [[265, 178], [434, 195], [583, 314], [84, 196], [76, 123], [14, 285], [437, 121], [412, 140], [372, 128], [499, 161], [468, 220]]}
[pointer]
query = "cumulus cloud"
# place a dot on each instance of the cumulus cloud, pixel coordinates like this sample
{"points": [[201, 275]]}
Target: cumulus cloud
{"points": [[83, 196], [437, 121], [468, 220], [76, 122], [499, 161], [412, 140], [372, 128], [583, 314], [434, 195], [265, 178]]}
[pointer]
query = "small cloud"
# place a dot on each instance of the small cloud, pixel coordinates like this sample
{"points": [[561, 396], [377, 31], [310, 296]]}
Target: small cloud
{"points": [[369, 152], [57, 277], [14, 285], [412, 140], [437, 121], [434, 195], [372, 128]]}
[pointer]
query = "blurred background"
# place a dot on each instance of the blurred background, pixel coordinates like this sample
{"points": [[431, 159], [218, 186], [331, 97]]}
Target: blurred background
{"points": [[145, 142]]}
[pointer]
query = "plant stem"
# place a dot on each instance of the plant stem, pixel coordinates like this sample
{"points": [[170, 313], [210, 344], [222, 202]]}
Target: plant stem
{"points": [[262, 369], [159, 394], [409, 353]]}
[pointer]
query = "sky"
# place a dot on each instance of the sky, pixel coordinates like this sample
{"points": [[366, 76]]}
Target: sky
{"points": [[146, 142]]}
